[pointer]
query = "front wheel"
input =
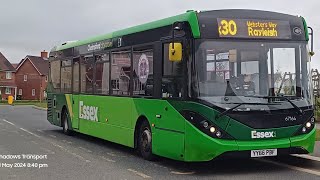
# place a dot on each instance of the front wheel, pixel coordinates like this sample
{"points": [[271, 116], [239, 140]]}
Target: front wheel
{"points": [[145, 141], [65, 123]]}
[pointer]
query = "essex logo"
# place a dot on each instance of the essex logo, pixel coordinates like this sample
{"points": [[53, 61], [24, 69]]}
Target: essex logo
{"points": [[261, 135], [88, 112]]}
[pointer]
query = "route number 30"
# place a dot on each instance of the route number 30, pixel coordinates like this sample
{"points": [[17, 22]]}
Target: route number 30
{"points": [[227, 28]]}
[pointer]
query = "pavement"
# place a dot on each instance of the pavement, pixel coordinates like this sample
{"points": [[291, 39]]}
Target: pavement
{"points": [[24, 130]]}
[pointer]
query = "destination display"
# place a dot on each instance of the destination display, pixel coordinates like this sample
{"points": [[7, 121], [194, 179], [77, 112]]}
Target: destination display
{"points": [[253, 28]]}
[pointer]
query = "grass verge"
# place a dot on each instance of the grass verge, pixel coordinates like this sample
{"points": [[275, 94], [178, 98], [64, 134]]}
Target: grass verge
{"points": [[318, 135], [42, 104]]}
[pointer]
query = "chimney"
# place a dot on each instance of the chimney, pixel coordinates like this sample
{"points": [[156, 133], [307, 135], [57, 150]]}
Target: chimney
{"points": [[44, 54]]}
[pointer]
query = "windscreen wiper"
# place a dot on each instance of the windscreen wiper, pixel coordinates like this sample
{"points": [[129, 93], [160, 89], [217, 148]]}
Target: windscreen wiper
{"points": [[299, 110], [231, 109]]}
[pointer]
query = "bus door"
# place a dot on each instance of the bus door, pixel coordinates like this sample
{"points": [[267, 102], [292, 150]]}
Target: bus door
{"points": [[169, 134], [75, 93]]}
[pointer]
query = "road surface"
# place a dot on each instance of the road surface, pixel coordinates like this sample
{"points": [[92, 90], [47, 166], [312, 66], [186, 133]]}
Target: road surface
{"points": [[31, 148]]}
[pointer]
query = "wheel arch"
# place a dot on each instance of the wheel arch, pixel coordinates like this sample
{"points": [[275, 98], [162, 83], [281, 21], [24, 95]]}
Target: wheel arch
{"points": [[139, 121]]}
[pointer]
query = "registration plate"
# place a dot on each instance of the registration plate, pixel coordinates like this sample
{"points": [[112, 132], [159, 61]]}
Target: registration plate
{"points": [[264, 152]]}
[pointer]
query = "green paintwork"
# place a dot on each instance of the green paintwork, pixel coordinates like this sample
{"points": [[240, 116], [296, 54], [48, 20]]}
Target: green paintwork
{"points": [[189, 16], [201, 147], [306, 30], [243, 132], [165, 142], [56, 111], [233, 127], [306, 141], [173, 136], [207, 112]]}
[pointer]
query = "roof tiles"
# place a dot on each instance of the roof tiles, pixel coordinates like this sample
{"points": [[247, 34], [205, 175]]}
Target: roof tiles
{"points": [[5, 65]]}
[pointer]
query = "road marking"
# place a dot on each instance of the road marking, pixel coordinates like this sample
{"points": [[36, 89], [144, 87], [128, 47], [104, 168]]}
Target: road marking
{"points": [[34, 142], [57, 145], [40, 130], [77, 155], [107, 159], [307, 157], [8, 122], [111, 154], [114, 155], [139, 173], [67, 141], [29, 132], [89, 151], [53, 136], [47, 150], [317, 173], [182, 173], [66, 150], [157, 165]]}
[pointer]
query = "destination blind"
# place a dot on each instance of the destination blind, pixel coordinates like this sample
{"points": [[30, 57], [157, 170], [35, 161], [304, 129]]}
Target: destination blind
{"points": [[253, 28]]}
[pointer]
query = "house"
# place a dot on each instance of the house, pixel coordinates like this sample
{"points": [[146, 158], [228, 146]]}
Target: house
{"points": [[8, 86], [15, 65], [32, 77]]}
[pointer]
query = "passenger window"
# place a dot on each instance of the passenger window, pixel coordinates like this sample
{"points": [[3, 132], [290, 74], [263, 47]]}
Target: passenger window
{"points": [[102, 74], [120, 72], [86, 73], [55, 69], [66, 76], [76, 76], [143, 71]]}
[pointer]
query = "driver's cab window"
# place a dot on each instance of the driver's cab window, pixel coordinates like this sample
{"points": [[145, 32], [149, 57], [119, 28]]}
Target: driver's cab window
{"points": [[284, 66], [235, 69], [217, 66], [247, 75], [171, 76]]}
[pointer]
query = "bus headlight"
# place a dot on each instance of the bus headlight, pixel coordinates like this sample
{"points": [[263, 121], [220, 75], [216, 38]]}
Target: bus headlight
{"points": [[306, 127], [218, 134], [212, 129], [205, 125], [312, 119]]}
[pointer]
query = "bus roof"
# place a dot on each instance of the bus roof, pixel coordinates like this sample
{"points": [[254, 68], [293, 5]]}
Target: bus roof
{"points": [[209, 27], [189, 16]]}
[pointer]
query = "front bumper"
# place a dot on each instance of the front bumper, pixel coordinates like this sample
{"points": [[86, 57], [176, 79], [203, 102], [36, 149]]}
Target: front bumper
{"points": [[200, 147]]}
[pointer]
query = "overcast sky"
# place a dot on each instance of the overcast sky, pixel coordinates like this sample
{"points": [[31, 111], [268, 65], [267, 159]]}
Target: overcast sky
{"points": [[28, 27]]}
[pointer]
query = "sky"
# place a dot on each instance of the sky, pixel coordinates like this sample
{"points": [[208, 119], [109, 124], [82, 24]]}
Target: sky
{"points": [[29, 27]]}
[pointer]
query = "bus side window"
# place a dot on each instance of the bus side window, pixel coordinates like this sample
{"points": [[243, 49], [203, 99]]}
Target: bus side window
{"points": [[143, 71], [86, 74], [66, 76], [171, 76], [101, 83], [120, 72], [55, 69]]}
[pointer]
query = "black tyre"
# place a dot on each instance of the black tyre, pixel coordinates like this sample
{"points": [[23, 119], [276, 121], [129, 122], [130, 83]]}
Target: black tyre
{"points": [[145, 141], [65, 123]]}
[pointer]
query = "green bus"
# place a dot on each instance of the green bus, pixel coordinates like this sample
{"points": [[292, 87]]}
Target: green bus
{"points": [[192, 87]]}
